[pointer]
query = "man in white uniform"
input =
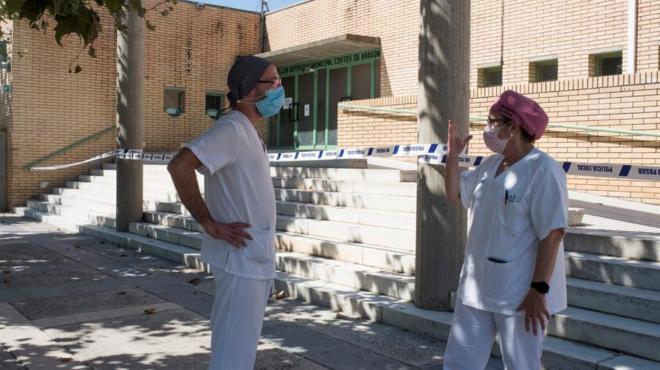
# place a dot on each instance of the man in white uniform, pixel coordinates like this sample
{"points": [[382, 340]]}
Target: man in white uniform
{"points": [[238, 212], [513, 277]]}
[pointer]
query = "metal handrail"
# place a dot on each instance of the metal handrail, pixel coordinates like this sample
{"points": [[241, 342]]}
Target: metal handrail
{"points": [[65, 149], [479, 119]]}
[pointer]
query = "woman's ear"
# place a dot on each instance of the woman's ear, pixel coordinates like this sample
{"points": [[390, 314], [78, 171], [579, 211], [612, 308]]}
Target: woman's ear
{"points": [[515, 128]]}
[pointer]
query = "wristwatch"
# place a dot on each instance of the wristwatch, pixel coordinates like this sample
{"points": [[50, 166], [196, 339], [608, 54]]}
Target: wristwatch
{"points": [[541, 286]]}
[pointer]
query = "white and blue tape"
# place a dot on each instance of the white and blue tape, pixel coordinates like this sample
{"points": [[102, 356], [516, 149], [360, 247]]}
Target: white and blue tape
{"points": [[426, 153]]}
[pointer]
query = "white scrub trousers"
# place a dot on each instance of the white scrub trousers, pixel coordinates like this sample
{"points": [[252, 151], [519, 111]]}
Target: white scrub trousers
{"points": [[473, 332], [236, 320]]}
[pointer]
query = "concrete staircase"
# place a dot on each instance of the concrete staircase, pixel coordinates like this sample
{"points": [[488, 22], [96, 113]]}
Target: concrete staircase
{"points": [[346, 240]]}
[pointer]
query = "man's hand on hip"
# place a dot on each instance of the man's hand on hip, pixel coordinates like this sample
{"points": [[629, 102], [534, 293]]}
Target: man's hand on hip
{"points": [[232, 233]]}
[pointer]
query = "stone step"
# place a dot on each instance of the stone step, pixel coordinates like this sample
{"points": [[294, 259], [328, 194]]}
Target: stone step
{"points": [[107, 196], [389, 219], [367, 217], [403, 240], [348, 274], [108, 177], [90, 200], [352, 200], [169, 251], [85, 205], [558, 353], [630, 302], [630, 336], [63, 223], [75, 214], [345, 174], [165, 218], [622, 301], [341, 186], [189, 239], [613, 270], [150, 168], [361, 254], [615, 244], [107, 188], [160, 182], [158, 185]]}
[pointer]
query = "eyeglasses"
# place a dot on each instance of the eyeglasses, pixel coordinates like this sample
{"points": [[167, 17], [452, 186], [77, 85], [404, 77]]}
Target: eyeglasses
{"points": [[496, 122], [275, 81]]}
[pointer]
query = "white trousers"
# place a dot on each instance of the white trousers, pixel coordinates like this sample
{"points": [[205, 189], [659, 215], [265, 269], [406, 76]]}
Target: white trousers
{"points": [[236, 320], [471, 339]]}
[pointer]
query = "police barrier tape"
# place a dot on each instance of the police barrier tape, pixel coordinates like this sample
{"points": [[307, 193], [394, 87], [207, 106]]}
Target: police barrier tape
{"points": [[426, 153]]}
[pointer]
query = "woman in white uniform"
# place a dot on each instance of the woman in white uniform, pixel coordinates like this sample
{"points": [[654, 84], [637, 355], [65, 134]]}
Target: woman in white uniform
{"points": [[513, 276]]}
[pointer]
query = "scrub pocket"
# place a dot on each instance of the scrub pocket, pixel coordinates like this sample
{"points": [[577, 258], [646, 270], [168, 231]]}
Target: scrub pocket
{"points": [[261, 248], [514, 217], [257, 259], [504, 281]]}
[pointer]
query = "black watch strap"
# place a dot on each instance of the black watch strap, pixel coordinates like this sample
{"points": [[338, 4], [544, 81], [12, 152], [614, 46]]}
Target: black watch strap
{"points": [[541, 286]]}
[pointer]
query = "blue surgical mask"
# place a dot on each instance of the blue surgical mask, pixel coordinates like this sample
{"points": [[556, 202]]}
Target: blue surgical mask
{"points": [[272, 103]]}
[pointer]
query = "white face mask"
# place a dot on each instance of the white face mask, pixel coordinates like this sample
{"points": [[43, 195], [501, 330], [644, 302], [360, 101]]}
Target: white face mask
{"points": [[492, 141]]}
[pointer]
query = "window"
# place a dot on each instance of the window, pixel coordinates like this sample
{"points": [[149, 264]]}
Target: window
{"points": [[490, 76], [214, 104], [543, 70], [175, 101], [4, 56], [606, 64]]}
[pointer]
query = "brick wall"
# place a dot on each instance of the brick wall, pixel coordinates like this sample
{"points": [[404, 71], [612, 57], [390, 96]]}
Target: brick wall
{"points": [[191, 48], [565, 30], [396, 22], [630, 102], [52, 108], [570, 32], [648, 35], [368, 128]]}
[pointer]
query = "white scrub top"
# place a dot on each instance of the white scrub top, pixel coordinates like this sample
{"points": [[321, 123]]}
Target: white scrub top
{"points": [[238, 188], [508, 216]]}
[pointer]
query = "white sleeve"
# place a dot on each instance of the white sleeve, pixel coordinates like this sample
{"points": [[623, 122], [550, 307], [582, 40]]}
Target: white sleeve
{"points": [[217, 147], [549, 201], [468, 182]]}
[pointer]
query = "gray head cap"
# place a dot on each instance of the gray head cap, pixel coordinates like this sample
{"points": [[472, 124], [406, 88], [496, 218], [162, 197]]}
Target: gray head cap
{"points": [[244, 76]]}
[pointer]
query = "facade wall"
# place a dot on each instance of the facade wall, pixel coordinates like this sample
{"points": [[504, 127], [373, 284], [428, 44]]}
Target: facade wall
{"points": [[630, 102], [568, 31], [371, 128], [48, 108], [396, 22], [52, 108], [192, 48]]}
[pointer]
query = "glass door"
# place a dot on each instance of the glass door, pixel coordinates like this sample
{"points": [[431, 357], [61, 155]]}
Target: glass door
{"points": [[306, 106]]}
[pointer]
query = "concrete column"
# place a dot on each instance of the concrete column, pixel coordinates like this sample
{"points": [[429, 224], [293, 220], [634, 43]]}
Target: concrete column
{"points": [[130, 102], [444, 91]]}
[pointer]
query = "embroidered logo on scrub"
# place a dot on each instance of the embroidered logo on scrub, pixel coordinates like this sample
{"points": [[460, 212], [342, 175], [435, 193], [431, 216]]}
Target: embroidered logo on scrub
{"points": [[510, 198]]}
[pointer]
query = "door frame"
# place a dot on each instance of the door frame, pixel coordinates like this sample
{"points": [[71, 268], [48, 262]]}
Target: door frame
{"points": [[325, 129]]}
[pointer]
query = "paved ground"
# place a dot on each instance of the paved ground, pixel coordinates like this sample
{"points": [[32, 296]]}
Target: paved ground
{"points": [[71, 301]]}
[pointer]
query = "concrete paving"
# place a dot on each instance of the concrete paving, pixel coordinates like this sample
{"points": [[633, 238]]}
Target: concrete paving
{"points": [[70, 301]]}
